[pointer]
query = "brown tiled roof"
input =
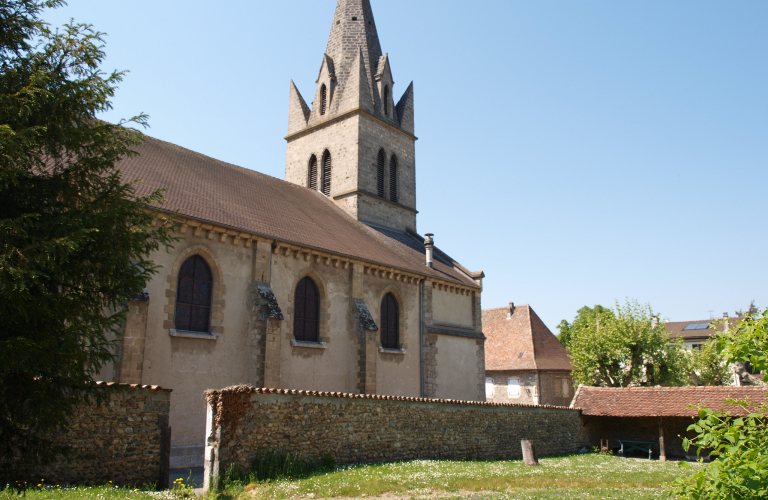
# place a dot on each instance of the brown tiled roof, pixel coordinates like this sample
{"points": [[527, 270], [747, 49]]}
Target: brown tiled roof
{"points": [[521, 343], [210, 190], [242, 389], [133, 386], [677, 328], [661, 401]]}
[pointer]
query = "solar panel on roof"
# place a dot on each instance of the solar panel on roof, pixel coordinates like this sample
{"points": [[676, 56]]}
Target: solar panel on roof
{"points": [[697, 326]]}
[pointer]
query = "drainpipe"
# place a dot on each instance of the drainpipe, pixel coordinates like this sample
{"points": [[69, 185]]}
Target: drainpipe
{"points": [[421, 335]]}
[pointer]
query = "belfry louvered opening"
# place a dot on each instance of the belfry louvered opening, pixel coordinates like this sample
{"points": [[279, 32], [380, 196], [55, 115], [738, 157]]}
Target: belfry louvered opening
{"points": [[380, 174], [393, 179], [326, 180], [313, 172], [386, 100], [323, 99]]}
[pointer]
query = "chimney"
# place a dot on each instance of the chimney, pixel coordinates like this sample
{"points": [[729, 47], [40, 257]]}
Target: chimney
{"points": [[511, 310], [429, 246], [725, 315]]}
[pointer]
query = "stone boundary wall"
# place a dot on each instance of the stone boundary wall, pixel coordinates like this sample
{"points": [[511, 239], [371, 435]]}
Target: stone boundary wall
{"points": [[367, 428], [126, 440]]}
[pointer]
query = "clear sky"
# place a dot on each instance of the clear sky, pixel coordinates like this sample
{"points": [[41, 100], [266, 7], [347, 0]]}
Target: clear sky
{"points": [[577, 152]]}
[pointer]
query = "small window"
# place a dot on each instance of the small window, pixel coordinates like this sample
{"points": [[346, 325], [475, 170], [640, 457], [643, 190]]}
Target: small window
{"points": [[513, 388], [489, 388], [386, 100], [380, 173], [326, 173], [323, 99], [193, 296], [306, 323], [566, 388], [313, 173], [393, 179], [390, 322]]}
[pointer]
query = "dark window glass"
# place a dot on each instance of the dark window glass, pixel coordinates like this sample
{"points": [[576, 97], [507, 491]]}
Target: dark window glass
{"points": [[390, 322], [386, 100], [393, 179], [193, 295], [323, 99], [327, 173], [313, 172], [306, 324], [380, 174]]}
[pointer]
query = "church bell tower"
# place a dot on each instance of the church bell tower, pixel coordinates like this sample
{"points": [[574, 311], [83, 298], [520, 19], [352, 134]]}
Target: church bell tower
{"points": [[356, 145]]}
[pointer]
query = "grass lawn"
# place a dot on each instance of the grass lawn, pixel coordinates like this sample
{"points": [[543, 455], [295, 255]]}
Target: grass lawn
{"points": [[576, 476]]}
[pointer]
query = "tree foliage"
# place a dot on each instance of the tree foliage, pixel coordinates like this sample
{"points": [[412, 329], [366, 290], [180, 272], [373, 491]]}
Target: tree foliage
{"points": [[708, 367], [629, 347], [74, 238], [739, 446], [586, 317]]}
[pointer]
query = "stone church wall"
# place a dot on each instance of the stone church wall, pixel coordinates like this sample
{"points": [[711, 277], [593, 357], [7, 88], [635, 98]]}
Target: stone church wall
{"points": [[453, 309], [126, 441], [457, 368], [357, 429]]}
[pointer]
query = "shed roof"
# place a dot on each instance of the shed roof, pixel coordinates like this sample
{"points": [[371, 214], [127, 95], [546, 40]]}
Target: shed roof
{"points": [[661, 401], [203, 188], [522, 342]]}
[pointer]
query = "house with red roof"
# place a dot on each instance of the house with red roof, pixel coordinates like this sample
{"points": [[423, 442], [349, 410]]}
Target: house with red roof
{"points": [[524, 361]]}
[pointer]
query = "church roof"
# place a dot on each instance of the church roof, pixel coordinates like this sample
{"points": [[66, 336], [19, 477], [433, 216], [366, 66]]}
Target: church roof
{"points": [[522, 342], [207, 189]]}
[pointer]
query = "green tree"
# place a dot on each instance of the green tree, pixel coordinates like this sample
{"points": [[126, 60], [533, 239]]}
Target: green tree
{"points": [[74, 238], [739, 445], [631, 347], [708, 367], [586, 317]]}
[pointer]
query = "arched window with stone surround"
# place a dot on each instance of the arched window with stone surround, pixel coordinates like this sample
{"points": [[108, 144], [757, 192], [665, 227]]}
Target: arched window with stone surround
{"points": [[390, 322], [313, 172], [393, 179], [306, 318], [326, 180], [323, 99], [380, 173], [194, 296]]}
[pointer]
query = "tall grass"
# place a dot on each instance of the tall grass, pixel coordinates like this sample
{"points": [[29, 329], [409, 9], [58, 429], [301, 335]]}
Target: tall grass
{"points": [[270, 465]]}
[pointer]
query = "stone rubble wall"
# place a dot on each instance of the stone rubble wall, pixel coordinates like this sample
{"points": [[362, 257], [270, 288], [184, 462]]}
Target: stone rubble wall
{"points": [[126, 441], [365, 429]]}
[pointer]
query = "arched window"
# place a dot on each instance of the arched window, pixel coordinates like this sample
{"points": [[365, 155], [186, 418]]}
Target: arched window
{"points": [[393, 179], [323, 99], [326, 173], [313, 172], [386, 100], [380, 174], [193, 295], [306, 323], [390, 322]]}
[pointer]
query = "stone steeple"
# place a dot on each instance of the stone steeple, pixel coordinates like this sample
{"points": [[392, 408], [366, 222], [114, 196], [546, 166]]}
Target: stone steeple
{"points": [[354, 118]]}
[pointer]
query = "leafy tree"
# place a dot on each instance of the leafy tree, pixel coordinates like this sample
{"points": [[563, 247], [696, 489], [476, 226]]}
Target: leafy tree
{"points": [[751, 310], [738, 445], [708, 367], [74, 238], [586, 317], [631, 347]]}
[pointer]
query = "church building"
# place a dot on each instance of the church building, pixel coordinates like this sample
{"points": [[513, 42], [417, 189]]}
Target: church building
{"points": [[316, 282]]}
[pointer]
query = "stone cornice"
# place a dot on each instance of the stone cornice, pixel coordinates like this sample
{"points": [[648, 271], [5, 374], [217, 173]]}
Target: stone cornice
{"points": [[343, 116], [376, 197]]}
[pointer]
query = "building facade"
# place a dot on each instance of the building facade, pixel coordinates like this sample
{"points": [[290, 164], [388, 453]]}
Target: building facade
{"points": [[524, 361], [318, 283]]}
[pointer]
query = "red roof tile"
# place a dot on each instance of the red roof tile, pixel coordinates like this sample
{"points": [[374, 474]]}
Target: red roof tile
{"points": [[521, 343], [133, 386], [210, 190], [660, 401]]}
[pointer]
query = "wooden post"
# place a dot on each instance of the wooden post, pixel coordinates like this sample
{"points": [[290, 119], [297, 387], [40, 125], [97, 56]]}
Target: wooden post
{"points": [[529, 452], [662, 446]]}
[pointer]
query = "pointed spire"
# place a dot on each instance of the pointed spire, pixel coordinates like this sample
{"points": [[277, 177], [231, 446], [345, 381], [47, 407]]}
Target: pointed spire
{"points": [[298, 111], [354, 29], [356, 92], [405, 110]]}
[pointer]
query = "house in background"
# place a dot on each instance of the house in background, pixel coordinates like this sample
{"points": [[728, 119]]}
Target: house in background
{"points": [[697, 333], [524, 361]]}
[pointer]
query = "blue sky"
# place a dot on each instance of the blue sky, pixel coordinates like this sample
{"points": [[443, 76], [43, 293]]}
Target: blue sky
{"points": [[577, 152]]}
